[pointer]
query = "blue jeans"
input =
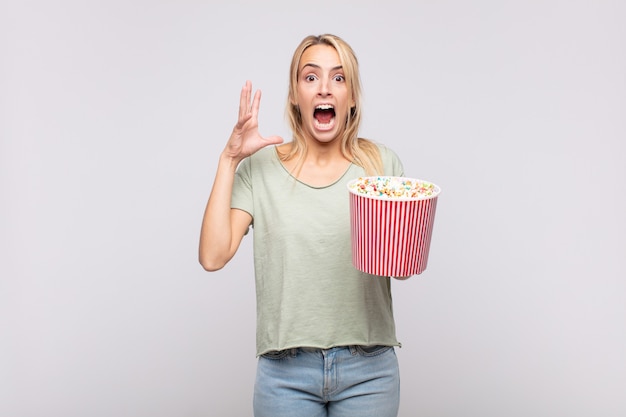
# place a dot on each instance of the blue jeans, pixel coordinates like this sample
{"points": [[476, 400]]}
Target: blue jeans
{"points": [[337, 382]]}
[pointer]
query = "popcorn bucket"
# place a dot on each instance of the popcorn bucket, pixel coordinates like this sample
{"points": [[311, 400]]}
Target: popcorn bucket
{"points": [[391, 222]]}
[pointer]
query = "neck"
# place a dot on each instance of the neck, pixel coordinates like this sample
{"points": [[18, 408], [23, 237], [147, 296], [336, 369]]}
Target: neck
{"points": [[322, 164]]}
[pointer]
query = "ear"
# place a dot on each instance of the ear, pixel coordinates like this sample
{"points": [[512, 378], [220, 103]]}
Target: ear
{"points": [[293, 100]]}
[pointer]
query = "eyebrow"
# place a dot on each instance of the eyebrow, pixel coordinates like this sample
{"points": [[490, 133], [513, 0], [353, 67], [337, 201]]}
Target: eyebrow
{"points": [[338, 67]]}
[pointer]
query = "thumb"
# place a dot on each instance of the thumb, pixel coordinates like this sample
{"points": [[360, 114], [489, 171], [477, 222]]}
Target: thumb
{"points": [[274, 140]]}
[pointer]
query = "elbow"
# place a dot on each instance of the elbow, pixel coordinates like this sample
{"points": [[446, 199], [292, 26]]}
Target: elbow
{"points": [[214, 257], [212, 263], [211, 266]]}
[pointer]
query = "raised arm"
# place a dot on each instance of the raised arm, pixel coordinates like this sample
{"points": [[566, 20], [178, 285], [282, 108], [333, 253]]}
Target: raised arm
{"points": [[223, 227]]}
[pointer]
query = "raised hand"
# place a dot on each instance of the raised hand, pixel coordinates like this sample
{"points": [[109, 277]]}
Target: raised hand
{"points": [[245, 138]]}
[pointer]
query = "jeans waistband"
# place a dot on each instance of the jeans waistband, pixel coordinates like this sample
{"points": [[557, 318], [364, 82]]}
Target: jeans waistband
{"points": [[354, 349]]}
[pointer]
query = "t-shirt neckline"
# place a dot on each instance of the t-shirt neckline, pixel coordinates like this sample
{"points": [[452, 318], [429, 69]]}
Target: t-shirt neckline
{"points": [[342, 176]]}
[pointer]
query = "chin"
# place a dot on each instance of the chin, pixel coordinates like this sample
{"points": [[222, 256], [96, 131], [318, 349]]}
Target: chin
{"points": [[326, 140], [326, 136]]}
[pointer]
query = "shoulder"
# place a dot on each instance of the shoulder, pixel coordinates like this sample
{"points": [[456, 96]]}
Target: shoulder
{"points": [[391, 162], [386, 153], [258, 164], [260, 158], [383, 150], [264, 154]]}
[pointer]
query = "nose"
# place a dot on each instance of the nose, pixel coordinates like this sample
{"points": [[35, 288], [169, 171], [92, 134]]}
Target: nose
{"points": [[324, 87]]}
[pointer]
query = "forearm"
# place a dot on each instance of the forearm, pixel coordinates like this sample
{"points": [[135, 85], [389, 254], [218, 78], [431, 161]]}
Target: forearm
{"points": [[216, 236], [222, 227]]}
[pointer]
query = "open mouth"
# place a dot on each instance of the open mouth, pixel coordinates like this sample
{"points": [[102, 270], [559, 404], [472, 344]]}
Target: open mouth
{"points": [[324, 114]]}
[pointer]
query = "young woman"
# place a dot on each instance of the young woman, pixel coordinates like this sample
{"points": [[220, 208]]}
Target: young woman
{"points": [[325, 331]]}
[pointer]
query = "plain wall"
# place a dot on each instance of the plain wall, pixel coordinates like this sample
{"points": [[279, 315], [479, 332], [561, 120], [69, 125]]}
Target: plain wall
{"points": [[113, 113]]}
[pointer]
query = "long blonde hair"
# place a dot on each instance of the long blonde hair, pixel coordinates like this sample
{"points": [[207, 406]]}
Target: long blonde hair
{"points": [[361, 152]]}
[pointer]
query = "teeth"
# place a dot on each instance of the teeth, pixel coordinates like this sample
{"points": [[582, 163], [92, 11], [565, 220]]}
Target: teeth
{"points": [[324, 107]]}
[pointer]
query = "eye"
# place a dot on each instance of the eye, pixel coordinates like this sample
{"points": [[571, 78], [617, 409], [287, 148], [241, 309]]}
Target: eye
{"points": [[339, 78], [310, 77]]}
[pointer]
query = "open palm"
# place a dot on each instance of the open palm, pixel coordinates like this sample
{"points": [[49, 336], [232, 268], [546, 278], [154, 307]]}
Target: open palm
{"points": [[245, 138]]}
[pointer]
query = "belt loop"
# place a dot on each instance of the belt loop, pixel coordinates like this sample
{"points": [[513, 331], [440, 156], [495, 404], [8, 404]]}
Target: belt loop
{"points": [[353, 350], [294, 352]]}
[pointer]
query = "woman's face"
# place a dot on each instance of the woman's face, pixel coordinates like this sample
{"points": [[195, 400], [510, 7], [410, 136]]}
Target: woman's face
{"points": [[323, 96]]}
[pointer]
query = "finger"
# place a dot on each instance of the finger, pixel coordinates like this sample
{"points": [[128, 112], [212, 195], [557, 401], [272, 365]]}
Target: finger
{"points": [[242, 103], [244, 100], [256, 103]]}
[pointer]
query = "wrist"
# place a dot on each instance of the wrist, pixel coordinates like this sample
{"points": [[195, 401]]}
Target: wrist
{"points": [[229, 161]]}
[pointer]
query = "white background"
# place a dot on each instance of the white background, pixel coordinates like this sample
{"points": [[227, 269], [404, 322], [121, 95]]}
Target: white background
{"points": [[113, 113]]}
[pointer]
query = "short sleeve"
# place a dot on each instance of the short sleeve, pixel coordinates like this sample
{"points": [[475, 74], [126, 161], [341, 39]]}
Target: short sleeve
{"points": [[241, 197]]}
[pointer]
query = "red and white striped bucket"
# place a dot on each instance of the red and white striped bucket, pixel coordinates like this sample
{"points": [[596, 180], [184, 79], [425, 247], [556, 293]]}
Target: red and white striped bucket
{"points": [[391, 236]]}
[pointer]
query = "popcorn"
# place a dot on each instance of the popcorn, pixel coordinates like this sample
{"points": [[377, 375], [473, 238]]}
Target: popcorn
{"points": [[392, 187]]}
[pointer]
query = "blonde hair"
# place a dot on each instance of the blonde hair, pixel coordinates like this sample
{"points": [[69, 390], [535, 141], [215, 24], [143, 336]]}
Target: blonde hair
{"points": [[361, 152]]}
